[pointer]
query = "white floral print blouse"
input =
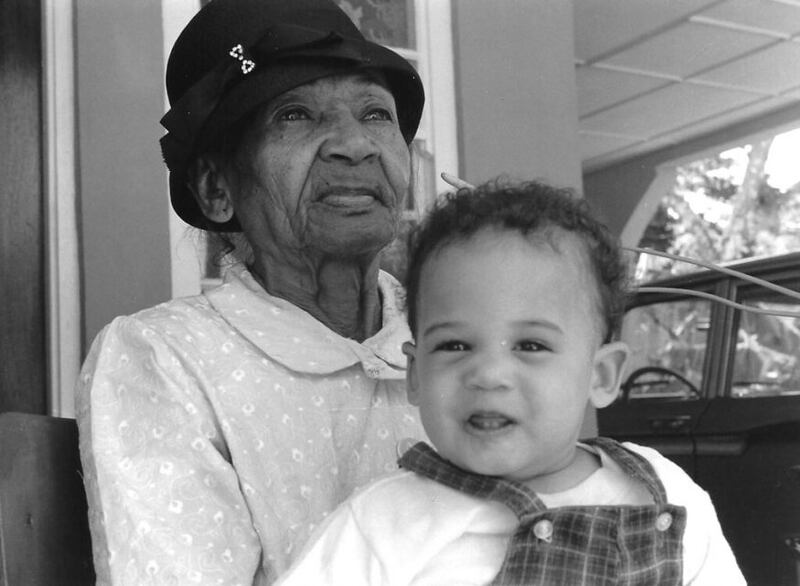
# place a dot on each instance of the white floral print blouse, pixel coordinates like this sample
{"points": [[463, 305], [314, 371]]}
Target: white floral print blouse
{"points": [[216, 431]]}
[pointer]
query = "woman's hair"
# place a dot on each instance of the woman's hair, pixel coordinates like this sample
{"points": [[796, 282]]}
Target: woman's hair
{"points": [[530, 208]]}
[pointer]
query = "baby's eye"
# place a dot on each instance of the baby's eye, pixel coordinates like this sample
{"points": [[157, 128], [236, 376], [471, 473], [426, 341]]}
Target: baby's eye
{"points": [[378, 114], [451, 346], [529, 346], [293, 114]]}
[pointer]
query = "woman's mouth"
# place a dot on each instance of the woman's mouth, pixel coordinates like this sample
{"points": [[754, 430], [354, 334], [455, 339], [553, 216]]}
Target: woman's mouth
{"points": [[348, 196], [349, 200]]}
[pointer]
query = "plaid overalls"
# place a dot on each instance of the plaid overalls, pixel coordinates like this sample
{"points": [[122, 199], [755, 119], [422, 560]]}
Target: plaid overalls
{"points": [[627, 545]]}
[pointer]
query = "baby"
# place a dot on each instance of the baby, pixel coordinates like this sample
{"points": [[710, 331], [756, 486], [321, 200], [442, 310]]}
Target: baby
{"points": [[515, 293]]}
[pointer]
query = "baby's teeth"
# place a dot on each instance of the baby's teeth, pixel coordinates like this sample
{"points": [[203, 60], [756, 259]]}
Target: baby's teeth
{"points": [[488, 421]]}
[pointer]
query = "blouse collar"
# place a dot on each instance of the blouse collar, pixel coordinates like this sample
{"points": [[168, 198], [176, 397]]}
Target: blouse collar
{"points": [[297, 340]]}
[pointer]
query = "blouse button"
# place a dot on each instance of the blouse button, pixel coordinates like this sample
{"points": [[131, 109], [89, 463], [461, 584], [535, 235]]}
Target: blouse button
{"points": [[544, 530], [663, 521]]}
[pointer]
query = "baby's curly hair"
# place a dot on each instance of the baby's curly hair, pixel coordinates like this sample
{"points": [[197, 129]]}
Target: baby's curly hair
{"points": [[530, 208]]}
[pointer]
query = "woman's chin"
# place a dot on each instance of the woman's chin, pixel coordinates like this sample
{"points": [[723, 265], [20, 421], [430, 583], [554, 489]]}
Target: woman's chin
{"points": [[352, 235]]}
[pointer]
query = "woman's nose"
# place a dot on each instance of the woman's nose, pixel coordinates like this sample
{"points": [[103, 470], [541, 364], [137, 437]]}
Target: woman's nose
{"points": [[348, 141], [490, 371]]}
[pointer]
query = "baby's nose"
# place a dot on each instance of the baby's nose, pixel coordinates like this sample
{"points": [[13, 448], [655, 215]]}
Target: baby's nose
{"points": [[491, 371]]}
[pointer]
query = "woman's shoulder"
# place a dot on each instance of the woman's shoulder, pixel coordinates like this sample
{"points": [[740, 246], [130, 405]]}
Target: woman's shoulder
{"points": [[171, 306], [178, 309], [177, 319]]}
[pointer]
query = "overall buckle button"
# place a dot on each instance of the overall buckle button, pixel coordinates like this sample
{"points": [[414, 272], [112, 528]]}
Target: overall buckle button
{"points": [[663, 521]]}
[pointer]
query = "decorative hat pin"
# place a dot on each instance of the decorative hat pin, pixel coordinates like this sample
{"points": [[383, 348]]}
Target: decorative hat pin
{"points": [[237, 52]]}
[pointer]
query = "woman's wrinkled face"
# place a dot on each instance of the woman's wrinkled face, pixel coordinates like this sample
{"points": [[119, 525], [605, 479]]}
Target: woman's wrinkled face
{"points": [[323, 172]]}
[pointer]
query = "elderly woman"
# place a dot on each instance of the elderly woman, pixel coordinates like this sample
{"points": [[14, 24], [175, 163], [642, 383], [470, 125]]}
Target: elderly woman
{"points": [[218, 430]]}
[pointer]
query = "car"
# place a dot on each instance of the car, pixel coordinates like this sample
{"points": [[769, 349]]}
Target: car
{"points": [[717, 390]]}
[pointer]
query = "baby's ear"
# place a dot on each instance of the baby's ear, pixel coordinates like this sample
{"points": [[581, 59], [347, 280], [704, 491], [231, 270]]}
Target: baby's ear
{"points": [[412, 381], [609, 365]]}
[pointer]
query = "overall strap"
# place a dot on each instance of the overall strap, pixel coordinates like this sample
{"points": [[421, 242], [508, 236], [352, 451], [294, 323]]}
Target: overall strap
{"points": [[423, 459]]}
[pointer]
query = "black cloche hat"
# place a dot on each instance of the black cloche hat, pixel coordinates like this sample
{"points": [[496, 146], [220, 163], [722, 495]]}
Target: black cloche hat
{"points": [[235, 55]]}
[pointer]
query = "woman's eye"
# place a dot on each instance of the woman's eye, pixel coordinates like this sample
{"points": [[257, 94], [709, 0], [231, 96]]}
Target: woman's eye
{"points": [[451, 346], [378, 114], [530, 346], [293, 115]]}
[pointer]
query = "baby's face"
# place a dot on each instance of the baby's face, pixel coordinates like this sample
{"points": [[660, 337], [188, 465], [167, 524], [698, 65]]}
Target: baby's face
{"points": [[505, 356]]}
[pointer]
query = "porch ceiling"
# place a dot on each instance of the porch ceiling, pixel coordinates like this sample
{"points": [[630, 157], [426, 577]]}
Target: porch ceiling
{"points": [[653, 73]]}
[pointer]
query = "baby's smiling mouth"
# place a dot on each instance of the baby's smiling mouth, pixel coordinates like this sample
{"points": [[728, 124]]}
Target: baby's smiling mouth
{"points": [[488, 422]]}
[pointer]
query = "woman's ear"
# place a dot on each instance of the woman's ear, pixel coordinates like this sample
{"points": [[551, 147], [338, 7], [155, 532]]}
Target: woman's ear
{"points": [[412, 380], [210, 188], [609, 366]]}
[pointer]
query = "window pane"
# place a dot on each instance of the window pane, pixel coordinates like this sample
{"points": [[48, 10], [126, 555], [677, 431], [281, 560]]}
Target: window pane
{"points": [[423, 185], [668, 343], [767, 347], [388, 22]]}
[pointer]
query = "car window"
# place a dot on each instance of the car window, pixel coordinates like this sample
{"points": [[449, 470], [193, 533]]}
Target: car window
{"points": [[767, 359], [668, 342]]}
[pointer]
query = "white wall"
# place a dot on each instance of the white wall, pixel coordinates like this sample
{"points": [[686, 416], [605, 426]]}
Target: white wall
{"points": [[515, 87], [123, 207]]}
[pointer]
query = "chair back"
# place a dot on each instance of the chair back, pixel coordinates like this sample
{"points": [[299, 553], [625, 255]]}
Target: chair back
{"points": [[44, 530]]}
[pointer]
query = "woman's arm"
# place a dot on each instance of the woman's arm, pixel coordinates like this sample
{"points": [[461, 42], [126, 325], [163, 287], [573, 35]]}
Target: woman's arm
{"points": [[165, 504]]}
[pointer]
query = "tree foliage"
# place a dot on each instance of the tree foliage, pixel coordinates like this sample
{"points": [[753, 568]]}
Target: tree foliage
{"points": [[717, 213]]}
